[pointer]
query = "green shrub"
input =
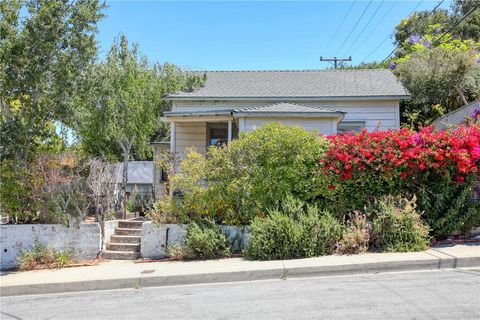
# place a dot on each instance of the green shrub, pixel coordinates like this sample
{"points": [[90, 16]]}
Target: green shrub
{"points": [[447, 207], [397, 225], [39, 256], [235, 183], [257, 171], [324, 229], [275, 237], [293, 231], [177, 252], [356, 236], [203, 241]]}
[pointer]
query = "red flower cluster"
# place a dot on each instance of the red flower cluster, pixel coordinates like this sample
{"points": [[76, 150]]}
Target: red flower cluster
{"points": [[397, 153]]}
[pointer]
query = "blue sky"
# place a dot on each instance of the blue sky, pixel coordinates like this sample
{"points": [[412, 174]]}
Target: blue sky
{"points": [[242, 35]]}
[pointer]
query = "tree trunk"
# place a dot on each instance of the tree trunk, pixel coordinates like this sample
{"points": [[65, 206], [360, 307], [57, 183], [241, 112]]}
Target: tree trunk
{"points": [[462, 95], [126, 145]]}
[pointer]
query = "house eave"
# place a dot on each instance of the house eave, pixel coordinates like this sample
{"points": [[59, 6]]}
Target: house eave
{"points": [[291, 114], [287, 98]]}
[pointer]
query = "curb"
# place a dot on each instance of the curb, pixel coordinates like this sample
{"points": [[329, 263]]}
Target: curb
{"points": [[269, 274]]}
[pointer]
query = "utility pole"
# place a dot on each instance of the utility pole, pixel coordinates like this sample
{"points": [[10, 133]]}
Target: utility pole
{"points": [[336, 60]]}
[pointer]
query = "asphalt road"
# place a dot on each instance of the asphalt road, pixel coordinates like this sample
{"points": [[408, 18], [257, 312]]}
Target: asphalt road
{"points": [[451, 294]]}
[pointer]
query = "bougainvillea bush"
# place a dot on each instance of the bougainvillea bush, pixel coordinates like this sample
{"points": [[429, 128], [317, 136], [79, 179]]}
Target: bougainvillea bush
{"points": [[438, 166]]}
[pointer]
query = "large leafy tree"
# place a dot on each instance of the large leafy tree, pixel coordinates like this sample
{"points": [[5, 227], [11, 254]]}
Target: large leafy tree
{"points": [[46, 50], [471, 28], [122, 110], [438, 61], [442, 72]]}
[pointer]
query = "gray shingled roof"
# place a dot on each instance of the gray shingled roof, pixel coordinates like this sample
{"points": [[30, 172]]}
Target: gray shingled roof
{"points": [[297, 84], [138, 172], [286, 107], [456, 117]]}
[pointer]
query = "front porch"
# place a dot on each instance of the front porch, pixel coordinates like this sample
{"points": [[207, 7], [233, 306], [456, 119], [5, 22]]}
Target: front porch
{"points": [[200, 130], [203, 128]]}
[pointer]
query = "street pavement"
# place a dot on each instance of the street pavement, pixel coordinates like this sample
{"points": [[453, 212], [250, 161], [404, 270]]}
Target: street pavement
{"points": [[439, 294], [112, 275]]}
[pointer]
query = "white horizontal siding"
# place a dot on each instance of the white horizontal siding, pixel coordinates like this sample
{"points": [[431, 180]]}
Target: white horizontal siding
{"points": [[324, 126], [190, 134], [382, 114]]}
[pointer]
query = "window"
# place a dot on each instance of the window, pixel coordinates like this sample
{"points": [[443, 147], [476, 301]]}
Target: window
{"points": [[163, 175], [217, 134], [350, 126]]}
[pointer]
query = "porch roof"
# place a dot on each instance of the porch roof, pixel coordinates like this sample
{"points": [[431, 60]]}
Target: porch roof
{"points": [[286, 109], [279, 109]]}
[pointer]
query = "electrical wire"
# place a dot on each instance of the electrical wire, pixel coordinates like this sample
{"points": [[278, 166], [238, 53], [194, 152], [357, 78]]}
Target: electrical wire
{"points": [[340, 26], [365, 26], [421, 24], [375, 28], [456, 24], [354, 27]]}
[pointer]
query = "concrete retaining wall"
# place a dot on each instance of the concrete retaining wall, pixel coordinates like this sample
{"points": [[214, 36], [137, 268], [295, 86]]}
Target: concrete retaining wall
{"points": [[157, 237], [85, 241], [108, 230]]}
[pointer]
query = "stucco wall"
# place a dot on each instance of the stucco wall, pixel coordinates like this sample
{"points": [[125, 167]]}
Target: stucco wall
{"points": [[108, 231], [85, 241], [154, 238]]}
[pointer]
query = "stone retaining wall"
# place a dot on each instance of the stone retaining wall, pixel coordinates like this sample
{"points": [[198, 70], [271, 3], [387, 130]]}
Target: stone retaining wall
{"points": [[156, 238], [85, 241]]}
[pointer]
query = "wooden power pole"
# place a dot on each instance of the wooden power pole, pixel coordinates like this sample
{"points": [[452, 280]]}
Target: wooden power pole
{"points": [[335, 60]]}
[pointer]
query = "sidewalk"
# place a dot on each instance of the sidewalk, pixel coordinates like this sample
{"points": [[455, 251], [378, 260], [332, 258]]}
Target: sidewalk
{"points": [[128, 274]]}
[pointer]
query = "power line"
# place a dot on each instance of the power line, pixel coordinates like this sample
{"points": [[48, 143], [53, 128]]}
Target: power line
{"points": [[365, 26], [354, 27], [421, 24], [375, 28], [376, 48], [339, 26], [456, 24]]}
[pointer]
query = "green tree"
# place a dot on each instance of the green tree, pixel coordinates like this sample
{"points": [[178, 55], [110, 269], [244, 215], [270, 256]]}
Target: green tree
{"points": [[418, 23], [470, 29], [440, 71], [125, 103], [46, 50]]}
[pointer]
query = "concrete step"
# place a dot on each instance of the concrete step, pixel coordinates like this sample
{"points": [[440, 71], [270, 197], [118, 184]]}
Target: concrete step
{"points": [[119, 255], [126, 247], [126, 239], [130, 224], [128, 232], [132, 215]]}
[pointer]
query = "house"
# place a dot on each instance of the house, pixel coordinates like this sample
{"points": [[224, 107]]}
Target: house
{"points": [[139, 178], [327, 101], [457, 117]]}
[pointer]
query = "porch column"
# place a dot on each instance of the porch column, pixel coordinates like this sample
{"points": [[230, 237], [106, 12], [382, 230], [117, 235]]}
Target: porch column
{"points": [[229, 130], [172, 138]]}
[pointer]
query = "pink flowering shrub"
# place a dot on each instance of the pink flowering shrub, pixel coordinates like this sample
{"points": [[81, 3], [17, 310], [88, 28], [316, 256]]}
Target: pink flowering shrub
{"points": [[438, 166]]}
